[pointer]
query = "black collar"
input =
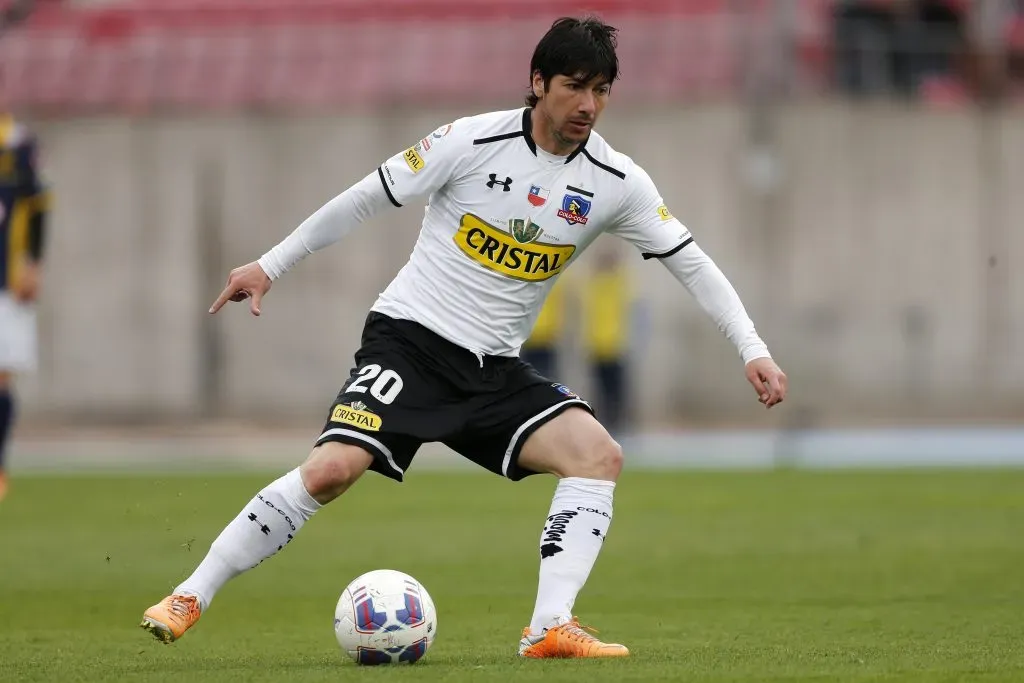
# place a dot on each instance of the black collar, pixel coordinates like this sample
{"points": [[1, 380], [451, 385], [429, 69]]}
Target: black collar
{"points": [[528, 136]]}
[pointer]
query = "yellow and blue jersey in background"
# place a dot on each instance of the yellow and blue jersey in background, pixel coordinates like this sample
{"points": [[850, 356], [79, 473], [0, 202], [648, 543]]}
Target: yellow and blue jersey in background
{"points": [[607, 306], [23, 200], [547, 331]]}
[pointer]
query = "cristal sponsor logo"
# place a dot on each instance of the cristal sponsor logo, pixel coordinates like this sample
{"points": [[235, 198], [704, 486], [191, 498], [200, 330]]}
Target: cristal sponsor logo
{"points": [[501, 252], [663, 213], [414, 160], [595, 511], [357, 416]]}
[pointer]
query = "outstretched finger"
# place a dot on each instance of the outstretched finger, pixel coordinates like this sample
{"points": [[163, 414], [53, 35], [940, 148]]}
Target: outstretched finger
{"points": [[224, 297]]}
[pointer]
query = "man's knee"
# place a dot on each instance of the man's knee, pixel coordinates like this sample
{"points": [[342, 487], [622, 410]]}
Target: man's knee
{"points": [[332, 468], [573, 444], [603, 462]]}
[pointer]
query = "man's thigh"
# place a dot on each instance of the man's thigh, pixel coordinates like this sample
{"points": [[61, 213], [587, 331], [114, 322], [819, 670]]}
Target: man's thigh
{"points": [[573, 444], [500, 424]]}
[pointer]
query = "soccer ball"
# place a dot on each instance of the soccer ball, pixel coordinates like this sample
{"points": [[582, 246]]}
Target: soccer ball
{"points": [[385, 617]]}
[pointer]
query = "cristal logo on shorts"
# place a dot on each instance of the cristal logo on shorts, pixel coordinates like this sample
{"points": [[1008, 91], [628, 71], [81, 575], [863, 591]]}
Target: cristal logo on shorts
{"points": [[356, 415]]}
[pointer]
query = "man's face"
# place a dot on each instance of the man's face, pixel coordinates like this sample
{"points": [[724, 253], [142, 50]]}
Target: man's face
{"points": [[571, 106]]}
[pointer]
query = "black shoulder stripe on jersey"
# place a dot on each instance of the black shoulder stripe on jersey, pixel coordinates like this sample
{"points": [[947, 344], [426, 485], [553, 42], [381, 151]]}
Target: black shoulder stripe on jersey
{"points": [[606, 167], [579, 191], [670, 251], [498, 138], [380, 172]]}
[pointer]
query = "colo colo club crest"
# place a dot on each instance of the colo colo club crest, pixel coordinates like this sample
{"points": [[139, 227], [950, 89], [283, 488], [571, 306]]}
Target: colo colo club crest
{"points": [[575, 205]]}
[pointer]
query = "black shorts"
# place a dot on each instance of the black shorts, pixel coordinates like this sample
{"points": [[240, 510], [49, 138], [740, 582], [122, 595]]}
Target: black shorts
{"points": [[411, 386]]}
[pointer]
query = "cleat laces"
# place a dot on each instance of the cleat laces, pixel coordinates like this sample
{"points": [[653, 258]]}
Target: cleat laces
{"points": [[578, 632], [182, 607]]}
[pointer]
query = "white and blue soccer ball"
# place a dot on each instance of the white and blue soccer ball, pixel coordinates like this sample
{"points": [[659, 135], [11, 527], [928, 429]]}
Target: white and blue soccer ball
{"points": [[385, 617]]}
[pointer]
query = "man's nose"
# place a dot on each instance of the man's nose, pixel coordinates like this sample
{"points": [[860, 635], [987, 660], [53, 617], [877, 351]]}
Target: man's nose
{"points": [[587, 104]]}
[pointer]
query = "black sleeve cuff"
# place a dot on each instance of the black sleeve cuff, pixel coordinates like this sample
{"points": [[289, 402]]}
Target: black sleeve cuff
{"points": [[380, 172], [670, 252]]}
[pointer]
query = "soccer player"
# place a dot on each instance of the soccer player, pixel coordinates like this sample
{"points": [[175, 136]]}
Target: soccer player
{"points": [[23, 210], [514, 197]]}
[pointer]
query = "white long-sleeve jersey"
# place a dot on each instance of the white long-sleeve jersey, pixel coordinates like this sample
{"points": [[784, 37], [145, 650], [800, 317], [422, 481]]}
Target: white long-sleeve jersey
{"points": [[504, 219]]}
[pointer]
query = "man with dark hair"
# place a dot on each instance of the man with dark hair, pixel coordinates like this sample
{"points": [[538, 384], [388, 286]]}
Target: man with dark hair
{"points": [[23, 210], [514, 197]]}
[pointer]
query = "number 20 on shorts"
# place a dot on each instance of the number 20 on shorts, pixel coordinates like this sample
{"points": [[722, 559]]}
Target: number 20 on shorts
{"points": [[385, 388]]}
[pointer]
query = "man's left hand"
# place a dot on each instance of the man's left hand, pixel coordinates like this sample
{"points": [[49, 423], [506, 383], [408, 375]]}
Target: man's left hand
{"points": [[25, 288], [768, 380]]}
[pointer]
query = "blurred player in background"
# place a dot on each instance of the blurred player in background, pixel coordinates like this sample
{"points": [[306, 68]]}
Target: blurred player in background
{"points": [[23, 210], [514, 197], [607, 326]]}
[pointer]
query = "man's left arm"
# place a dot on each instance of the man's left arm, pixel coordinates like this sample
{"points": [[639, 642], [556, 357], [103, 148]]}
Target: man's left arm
{"points": [[646, 222]]}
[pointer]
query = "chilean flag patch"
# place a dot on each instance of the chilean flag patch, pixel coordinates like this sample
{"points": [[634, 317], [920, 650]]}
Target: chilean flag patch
{"points": [[538, 195]]}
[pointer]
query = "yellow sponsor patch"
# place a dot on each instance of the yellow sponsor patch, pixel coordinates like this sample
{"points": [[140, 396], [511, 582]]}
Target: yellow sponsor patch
{"points": [[501, 252], [415, 161], [663, 212], [363, 419]]}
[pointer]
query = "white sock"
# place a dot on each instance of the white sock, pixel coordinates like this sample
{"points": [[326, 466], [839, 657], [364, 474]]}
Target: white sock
{"points": [[263, 527], [574, 532]]}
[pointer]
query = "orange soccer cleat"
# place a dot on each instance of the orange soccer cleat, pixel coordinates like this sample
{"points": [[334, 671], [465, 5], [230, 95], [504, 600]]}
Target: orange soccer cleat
{"points": [[171, 617], [567, 640]]}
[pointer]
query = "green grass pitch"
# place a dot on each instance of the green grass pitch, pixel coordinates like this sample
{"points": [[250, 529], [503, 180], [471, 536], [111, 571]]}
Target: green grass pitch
{"points": [[755, 576]]}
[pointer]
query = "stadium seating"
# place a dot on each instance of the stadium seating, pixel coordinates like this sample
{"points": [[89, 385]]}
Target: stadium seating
{"points": [[159, 55]]}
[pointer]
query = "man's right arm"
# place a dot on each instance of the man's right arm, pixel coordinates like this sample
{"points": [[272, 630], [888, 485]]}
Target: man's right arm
{"points": [[330, 223], [416, 171]]}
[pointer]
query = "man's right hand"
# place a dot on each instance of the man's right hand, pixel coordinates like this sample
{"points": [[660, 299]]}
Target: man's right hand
{"points": [[247, 282]]}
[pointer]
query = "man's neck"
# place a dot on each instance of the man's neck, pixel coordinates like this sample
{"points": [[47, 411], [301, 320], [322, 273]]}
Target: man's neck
{"points": [[545, 138]]}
